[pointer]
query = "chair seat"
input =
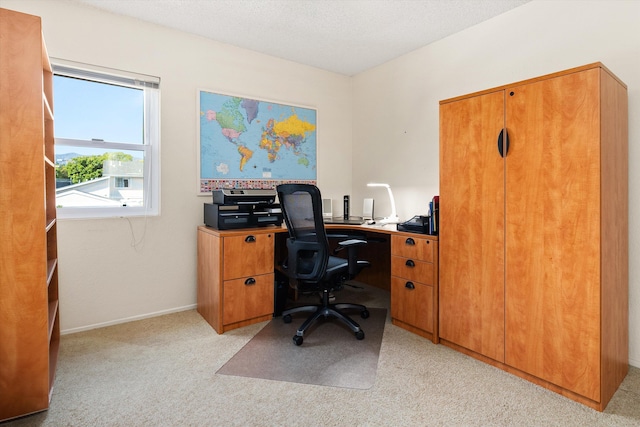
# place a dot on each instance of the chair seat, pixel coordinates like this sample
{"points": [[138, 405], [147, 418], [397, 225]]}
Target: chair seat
{"points": [[336, 273], [338, 265]]}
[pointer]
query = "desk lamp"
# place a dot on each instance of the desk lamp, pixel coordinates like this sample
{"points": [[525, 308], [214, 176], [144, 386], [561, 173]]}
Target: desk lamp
{"points": [[393, 218]]}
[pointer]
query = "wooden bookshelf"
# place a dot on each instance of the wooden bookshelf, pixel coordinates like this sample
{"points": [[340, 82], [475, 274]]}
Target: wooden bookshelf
{"points": [[29, 306]]}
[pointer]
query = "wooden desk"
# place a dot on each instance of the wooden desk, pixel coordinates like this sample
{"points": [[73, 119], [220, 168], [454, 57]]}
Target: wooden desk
{"points": [[236, 274]]}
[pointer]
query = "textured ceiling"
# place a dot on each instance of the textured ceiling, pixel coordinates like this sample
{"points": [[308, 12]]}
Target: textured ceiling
{"points": [[343, 36]]}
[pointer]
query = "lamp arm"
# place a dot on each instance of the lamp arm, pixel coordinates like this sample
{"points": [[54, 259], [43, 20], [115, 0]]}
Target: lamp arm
{"points": [[393, 218], [393, 203]]}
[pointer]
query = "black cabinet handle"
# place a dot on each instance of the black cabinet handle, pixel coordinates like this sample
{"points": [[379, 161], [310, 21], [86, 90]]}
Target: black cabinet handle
{"points": [[410, 263], [410, 241], [409, 285], [250, 239], [503, 142], [250, 281]]}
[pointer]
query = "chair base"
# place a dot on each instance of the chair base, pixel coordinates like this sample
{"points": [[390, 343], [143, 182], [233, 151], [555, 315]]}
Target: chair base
{"points": [[326, 310]]}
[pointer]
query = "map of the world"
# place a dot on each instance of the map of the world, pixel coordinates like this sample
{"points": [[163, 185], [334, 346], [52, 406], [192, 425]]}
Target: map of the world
{"points": [[248, 140]]}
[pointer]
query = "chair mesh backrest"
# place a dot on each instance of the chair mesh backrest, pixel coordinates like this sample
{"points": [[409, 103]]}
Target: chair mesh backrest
{"points": [[302, 210]]}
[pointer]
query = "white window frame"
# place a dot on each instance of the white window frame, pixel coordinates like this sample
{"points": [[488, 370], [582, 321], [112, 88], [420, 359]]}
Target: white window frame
{"points": [[150, 146]]}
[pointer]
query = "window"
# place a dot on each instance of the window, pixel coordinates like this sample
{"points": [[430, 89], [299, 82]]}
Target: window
{"points": [[122, 182], [107, 142]]}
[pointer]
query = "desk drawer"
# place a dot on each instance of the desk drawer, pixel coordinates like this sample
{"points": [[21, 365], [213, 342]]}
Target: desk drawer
{"points": [[247, 298], [412, 303], [417, 248], [250, 254], [411, 269]]}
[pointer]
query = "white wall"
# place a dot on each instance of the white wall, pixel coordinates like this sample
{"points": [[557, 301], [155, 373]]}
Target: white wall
{"points": [[103, 279], [396, 104]]}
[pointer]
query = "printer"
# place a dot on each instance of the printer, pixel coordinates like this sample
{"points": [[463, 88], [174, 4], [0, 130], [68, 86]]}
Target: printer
{"points": [[242, 208], [244, 197]]}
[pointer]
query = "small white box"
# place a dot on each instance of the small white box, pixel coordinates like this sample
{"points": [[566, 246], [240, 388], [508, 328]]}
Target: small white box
{"points": [[327, 210], [367, 209]]}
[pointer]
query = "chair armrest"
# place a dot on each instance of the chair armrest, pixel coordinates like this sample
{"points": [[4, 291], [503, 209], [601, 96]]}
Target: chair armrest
{"points": [[351, 245], [352, 242], [343, 236]]}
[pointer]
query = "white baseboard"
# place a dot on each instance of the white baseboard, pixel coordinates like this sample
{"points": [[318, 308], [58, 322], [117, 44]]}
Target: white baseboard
{"points": [[127, 319]]}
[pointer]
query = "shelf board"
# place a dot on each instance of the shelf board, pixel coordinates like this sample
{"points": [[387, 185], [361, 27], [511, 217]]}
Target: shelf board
{"points": [[49, 162], [51, 222], [51, 268], [53, 311], [48, 112]]}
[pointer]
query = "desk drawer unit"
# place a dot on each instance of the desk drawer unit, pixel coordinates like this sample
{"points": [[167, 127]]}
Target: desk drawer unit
{"points": [[235, 277], [414, 284]]}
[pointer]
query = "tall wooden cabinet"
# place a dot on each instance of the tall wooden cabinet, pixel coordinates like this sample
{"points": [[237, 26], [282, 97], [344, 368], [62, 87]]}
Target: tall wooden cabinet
{"points": [[534, 230], [29, 320]]}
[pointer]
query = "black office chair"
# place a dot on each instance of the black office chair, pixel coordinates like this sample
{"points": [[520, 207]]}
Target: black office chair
{"points": [[309, 262]]}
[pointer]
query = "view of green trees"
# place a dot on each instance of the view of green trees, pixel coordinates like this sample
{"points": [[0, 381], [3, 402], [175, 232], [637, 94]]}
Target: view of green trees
{"points": [[85, 168]]}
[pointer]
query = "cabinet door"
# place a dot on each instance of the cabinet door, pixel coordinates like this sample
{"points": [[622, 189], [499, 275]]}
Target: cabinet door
{"points": [[472, 224], [248, 254], [247, 298], [553, 231], [412, 303]]}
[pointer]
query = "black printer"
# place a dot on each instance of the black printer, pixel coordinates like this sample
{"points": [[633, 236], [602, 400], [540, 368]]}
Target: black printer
{"points": [[242, 208], [227, 196]]}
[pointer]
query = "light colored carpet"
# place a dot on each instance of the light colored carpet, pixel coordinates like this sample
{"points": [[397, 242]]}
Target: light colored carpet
{"points": [[161, 372], [330, 354]]}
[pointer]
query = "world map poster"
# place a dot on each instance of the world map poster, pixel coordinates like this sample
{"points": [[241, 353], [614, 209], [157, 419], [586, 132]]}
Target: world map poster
{"points": [[250, 143]]}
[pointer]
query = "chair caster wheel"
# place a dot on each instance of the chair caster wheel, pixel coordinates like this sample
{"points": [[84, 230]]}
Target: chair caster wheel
{"points": [[297, 340], [364, 314], [286, 318], [359, 335]]}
